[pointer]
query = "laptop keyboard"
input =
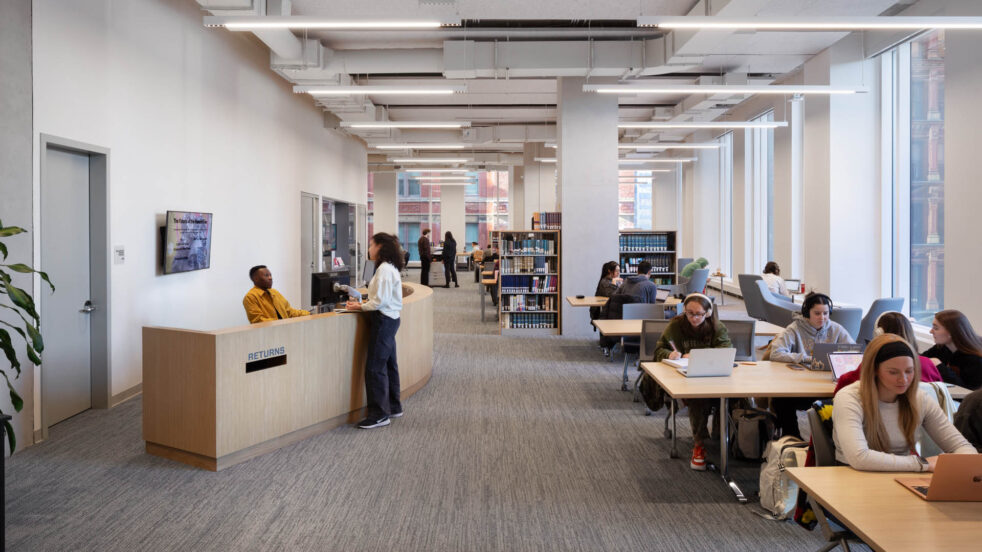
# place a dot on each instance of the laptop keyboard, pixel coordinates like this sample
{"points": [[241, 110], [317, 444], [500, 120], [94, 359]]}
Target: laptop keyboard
{"points": [[921, 489]]}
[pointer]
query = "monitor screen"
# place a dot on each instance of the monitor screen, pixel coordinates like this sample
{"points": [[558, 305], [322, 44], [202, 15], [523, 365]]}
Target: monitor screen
{"points": [[843, 363], [187, 241], [322, 287]]}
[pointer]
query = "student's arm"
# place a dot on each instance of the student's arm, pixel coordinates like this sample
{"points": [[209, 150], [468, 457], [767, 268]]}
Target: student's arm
{"points": [[662, 347], [254, 310], [847, 420], [970, 370], [293, 313], [940, 429], [785, 347], [722, 340]]}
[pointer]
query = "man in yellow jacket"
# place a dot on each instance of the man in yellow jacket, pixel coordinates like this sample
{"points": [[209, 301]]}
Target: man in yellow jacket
{"points": [[263, 303]]}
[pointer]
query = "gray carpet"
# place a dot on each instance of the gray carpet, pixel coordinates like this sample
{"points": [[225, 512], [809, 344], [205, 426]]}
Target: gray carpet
{"points": [[515, 444]]}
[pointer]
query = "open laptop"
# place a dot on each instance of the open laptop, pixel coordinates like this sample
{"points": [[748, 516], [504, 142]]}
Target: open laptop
{"points": [[820, 353], [793, 286], [844, 362], [704, 363], [956, 478], [661, 295]]}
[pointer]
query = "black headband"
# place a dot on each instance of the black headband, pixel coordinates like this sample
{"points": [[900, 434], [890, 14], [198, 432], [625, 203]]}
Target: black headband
{"points": [[893, 349]]}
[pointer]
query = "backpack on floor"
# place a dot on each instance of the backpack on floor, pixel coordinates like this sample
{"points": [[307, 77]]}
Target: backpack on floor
{"points": [[750, 431], [778, 493], [653, 395]]}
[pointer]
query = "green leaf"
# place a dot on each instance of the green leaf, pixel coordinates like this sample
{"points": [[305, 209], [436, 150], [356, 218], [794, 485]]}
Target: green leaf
{"points": [[36, 340], [8, 350], [11, 439], [23, 300], [3, 249], [14, 396], [24, 269], [35, 359], [11, 231], [16, 329]]}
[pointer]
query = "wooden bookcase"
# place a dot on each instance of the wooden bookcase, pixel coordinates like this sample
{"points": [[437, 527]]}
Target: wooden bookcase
{"points": [[656, 247], [529, 283]]}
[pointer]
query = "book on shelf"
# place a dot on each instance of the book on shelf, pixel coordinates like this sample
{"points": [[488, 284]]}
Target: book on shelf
{"points": [[528, 265], [528, 284], [645, 242], [528, 247], [660, 263], [529, 320], [522, 303]]}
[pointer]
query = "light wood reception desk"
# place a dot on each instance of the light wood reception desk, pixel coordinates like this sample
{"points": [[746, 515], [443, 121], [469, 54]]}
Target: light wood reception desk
{"points": [[216, 398]]}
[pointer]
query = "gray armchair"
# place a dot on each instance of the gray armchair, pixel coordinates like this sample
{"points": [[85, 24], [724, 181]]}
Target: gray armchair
{"points": [[751, 295], [776, 311], [695, 284], [849, 317], [878, 307]]}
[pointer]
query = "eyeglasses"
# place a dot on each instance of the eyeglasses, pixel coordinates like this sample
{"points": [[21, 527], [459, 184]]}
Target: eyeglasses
{"points": [[691, 314]]}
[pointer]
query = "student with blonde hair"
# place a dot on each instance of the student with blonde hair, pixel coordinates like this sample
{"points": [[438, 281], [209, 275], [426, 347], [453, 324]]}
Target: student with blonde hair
{"points": [[874, 421]]}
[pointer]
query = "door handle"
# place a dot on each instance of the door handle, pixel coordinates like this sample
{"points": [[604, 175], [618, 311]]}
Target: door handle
{"points": [[87, 308]]}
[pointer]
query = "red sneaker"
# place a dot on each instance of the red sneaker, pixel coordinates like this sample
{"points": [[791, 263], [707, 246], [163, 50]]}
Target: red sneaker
{"points": [[698, 461]]}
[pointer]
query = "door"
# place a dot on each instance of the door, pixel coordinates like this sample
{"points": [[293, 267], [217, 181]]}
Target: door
{"points": [[66, 314], [309, 244]]}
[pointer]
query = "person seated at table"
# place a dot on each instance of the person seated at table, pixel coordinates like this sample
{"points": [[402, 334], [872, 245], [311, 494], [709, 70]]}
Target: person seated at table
{"points": [[695, 265], [698, 327], [968, 418], [772, 276], [640, 285], [892, 322], [263, 303], [957, 348], [493, 256], [610, 281], [794, 345], [874, 421], [476, 254]]}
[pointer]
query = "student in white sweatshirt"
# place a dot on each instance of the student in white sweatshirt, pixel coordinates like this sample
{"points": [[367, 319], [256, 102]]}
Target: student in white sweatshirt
{"points": [[874, 421]]}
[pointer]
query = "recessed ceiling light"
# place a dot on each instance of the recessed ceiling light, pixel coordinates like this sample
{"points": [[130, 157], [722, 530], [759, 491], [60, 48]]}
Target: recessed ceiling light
{"points": [[704, 124], [259, 22], [633, 89], [897, 22], [372, 90], [432, 160], [448, 178], [405, 124]]}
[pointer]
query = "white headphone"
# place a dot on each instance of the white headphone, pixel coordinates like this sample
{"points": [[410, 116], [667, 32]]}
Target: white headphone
{"points": [[709, 311], [877, 330]]}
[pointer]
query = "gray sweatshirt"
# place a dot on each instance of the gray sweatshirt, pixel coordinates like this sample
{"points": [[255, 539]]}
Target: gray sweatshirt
{"points": [[796, 342], [641, 287]]}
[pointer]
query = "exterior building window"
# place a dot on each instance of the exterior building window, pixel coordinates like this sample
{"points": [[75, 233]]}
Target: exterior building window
{"points": [[634, 200], [486, 207]]}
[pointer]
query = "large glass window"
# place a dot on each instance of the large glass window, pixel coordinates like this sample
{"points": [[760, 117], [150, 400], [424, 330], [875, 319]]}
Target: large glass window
{"points": [[634, 197], [418, 209], [761, 166], [726, 202], [486, 207]]}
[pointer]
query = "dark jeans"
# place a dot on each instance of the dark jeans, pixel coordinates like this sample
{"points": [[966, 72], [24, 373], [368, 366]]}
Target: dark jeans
{"points": [[381, 369], [450, 270], [786, 410], [424, 277]]}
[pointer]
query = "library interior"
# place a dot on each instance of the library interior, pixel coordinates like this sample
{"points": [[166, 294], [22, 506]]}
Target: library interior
{"points": [[654, 275]]}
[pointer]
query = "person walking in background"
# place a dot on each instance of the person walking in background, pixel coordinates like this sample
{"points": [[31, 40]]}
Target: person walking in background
{"points": [[425, 257], [449, 259], [384, 306]]}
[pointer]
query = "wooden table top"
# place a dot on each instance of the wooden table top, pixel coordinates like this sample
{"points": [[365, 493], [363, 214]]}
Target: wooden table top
{"points": [[588, 301], [632, 328], [489, 281], [886, 515], [749, 379]]}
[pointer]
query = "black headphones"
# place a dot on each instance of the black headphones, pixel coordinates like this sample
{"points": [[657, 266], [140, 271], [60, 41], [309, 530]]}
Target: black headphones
{"points": [[813, 299]]}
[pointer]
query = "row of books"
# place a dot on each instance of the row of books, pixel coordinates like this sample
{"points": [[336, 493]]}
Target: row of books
{"points": [[659, 263], [529, 320], [520, 303], [528, 265], [529, 284], [528, 247], [548, 221], [646, 242]]}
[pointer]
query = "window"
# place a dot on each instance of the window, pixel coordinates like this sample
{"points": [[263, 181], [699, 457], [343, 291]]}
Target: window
{"points": [[486, 206], [726, 202], [418, 208], [760, 154], [634, 200], [370, 214]]}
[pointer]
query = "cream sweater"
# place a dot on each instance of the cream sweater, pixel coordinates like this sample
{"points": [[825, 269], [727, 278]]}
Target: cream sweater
{"points": [[850, 440]]}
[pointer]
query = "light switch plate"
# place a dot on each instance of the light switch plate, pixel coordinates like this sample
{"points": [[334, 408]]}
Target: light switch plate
{"points": [[119, 254]]}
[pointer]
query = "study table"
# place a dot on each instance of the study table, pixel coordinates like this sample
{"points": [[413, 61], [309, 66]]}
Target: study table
{"points": [[632, 328], [749, 379], [887, 516], [588, 301], [214, 398]]}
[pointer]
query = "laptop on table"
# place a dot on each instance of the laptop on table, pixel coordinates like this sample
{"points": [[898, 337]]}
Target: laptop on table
{"points": [[956, 478], [843, 363], [820, 353], [705, 363]]}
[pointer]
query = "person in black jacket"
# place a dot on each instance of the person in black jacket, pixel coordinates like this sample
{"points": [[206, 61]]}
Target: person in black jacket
{"points": [[450, 259], [425, 257], [968, 419], [609, 282], [957, 348]]}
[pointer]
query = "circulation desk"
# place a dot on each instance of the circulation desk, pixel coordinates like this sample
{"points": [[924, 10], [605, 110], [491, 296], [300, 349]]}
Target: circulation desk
{"points": [[212, 399]]}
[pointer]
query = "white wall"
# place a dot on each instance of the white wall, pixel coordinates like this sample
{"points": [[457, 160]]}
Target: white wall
{"points": [[195, 120], [386, 202]]}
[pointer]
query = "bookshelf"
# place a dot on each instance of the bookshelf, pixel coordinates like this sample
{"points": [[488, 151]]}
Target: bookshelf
{"points": [[529, 282], [656, 247], [547, 221]]}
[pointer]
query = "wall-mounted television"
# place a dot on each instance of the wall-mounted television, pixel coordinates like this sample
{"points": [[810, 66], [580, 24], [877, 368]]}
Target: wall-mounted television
{"points": [[187, 241]]}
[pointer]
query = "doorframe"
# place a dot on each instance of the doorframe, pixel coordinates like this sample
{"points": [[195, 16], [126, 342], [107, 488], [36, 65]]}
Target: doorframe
{"points": [[100, 268]]}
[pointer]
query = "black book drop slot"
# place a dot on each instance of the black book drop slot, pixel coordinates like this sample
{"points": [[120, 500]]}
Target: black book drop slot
{"points": [[265, 363]]}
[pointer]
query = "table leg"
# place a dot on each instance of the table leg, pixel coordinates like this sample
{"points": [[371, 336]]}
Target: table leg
{"points": [[724, 451], [675, 449], [483, 293]]}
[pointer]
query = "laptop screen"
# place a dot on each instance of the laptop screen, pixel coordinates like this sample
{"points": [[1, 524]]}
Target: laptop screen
{"points": [[843, 363], [661, 295], [793, 285]]}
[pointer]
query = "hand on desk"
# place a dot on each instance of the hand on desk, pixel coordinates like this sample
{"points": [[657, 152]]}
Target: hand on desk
{"points": [[932, 462], [352, 305], [675, 355]]}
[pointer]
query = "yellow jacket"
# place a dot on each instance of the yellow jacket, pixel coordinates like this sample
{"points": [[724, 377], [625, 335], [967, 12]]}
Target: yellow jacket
{"points": [[264, 305]]}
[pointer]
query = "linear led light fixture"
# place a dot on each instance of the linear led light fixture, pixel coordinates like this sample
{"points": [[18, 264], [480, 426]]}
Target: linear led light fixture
{"points": [[449, 178], [260, 22], [377, 89], [544, 159], [661, 146], [420, 171], [846, 23], [447, 183], [666, 160], [788, 89], [418, 146], [704, 124], [432, 160], [406, 124]]}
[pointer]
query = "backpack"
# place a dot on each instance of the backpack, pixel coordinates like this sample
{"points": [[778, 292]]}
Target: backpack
{"points": [[653, 395], [750, 430], [778, 493]]}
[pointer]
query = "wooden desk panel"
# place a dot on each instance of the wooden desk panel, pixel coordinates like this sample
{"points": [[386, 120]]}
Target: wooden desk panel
{"points": [[759, 379], [886, 515], [588, 301]]}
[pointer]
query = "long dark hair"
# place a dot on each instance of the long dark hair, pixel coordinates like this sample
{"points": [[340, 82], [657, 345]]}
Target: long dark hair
{"points": [[707, 328], [892, 322], [772, 268], [389, 250], [449, 237], [962, 334], [608, 268]]}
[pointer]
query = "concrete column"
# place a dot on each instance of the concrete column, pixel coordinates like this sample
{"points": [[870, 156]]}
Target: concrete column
{"points": [[587, 163], [452, 214], [386, 202]]}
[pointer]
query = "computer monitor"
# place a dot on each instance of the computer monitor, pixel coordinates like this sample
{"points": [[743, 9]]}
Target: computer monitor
{"points": [[368, 271], [322, 287]]}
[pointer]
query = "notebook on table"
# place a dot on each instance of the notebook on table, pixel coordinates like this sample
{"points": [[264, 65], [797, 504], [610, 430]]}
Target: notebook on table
{"points": [[705, 363], [956, 478]]}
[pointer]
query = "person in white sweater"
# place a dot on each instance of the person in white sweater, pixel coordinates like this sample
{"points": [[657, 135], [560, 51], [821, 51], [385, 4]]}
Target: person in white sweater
{"points": [[772, 276], [874, 421]]}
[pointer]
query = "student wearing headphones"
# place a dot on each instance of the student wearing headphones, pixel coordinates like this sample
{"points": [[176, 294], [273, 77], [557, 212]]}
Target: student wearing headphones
{"points": [[698, 327], [794, 345]]}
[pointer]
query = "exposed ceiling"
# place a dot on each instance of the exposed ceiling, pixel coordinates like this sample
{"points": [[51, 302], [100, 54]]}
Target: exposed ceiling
{"points": [[509, 54]]}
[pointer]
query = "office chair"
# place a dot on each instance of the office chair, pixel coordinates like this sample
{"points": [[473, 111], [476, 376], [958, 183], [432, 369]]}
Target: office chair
{"points": [[631, 345]]}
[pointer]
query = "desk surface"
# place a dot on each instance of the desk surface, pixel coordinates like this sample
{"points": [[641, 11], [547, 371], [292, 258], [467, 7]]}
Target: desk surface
{"points": [[588, 301], [886, 515], [632, 328], [759, 379], [489, 281]]}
